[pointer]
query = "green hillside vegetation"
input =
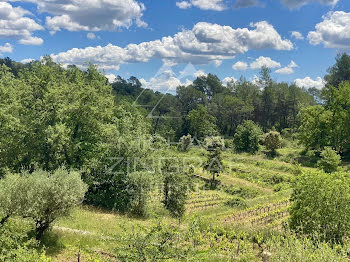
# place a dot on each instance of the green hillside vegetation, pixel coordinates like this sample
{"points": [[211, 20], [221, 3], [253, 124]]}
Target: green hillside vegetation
{"points": [[93, 171]]}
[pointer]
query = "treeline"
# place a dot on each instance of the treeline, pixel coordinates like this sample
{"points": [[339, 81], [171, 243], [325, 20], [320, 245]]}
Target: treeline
{"points": [[207, 107]]}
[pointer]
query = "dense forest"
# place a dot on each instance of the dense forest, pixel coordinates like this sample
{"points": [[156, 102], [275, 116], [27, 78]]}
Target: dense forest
{"points": [[71, 140]]}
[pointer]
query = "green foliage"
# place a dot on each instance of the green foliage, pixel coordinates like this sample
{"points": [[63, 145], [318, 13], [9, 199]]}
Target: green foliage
{"points": [[41, 196], [321, 206], [17, 246], [200, 123], [139, 188], [290, 248], [247, 137], [177, 183], [185, 143], [329, 161], [214, 164], [243, 192], [236, 202], [273, 141], [159, 243]]}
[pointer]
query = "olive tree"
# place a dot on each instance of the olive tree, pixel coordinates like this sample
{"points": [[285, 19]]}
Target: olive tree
{"points": [[42, 196]]}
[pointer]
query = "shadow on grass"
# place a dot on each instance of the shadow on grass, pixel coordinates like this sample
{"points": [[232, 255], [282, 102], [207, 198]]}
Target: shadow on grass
{"points": [[51, 243]]}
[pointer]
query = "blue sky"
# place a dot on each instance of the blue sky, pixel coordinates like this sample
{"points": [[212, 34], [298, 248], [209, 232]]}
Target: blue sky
{"points": [[126, 37]]}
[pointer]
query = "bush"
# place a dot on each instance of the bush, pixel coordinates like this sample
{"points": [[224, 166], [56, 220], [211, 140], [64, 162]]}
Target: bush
{"points": [[236, 202], [273, 141], [41, 196], [185, 143], [17, 246], [139, 187], [321, 206], [330, 160], [247, 137], [244, 192], [214, 164]]}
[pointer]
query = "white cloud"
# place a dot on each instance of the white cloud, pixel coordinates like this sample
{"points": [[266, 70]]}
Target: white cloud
{"points": [[27, 60], [297, 35], [307, 82], [203, 44], [264, 61], [111, 78], [7, 48], [288, 70], [91, 36], [14, 24], [241, 66], [164, 82], [285, 71], [228, 80], [90, 15], [200, 73], [333, 31], [300, 3], [183, 5]]}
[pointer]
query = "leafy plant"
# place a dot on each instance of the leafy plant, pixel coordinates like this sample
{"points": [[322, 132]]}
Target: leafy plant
{"points": [[247, 137], [330, 160]]}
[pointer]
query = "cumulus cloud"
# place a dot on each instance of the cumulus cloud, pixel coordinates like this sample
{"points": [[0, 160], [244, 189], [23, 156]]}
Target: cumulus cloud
{"points": [[333, 31], [240, 66], [90, 15], [288, 70], [27, 60], [7, 48], [299, 3], [264, 61], [14, 24], [245, 3], [91, 36], [165, 82], [111, 78], [297, 35], [203, 44], [308, 82], [200, 73], [228, 80], [183, 5]]}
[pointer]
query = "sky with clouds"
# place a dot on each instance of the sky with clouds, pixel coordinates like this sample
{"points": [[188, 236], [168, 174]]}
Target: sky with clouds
{"points": [[169, 42]]}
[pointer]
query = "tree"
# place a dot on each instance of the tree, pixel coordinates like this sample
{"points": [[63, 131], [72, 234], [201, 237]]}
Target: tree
{"points": [[273, 141], [200, 123], [139, 188], [315, 127], [41, 196], [185, 143], [214, 164], [247, 137], [340, 72], [177, 182], [321, 206], [329, 161]]}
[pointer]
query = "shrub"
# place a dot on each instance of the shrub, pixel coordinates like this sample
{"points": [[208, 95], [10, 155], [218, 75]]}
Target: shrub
{"points": [[214, 164], [236, 202], [17, 246], [321, 206], [185, 143], [139, 187], [330, 160], [41, 196], [247, 137], [176, 186], [273, 141], [244, 192]]}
